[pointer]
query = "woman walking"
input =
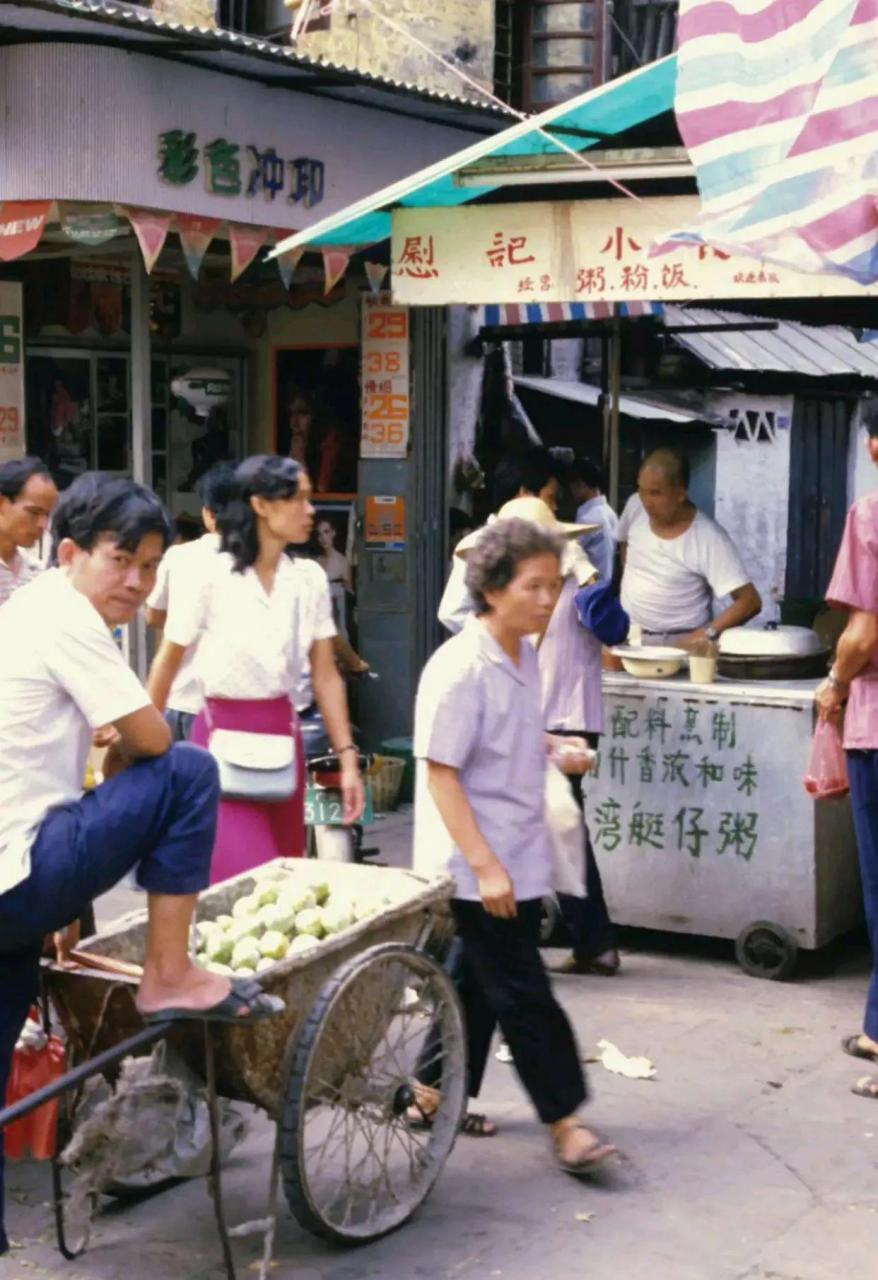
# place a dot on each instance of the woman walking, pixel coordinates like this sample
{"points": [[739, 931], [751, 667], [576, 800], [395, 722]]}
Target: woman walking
{"points": [[479, 814], [853, 681], [260, 619]]}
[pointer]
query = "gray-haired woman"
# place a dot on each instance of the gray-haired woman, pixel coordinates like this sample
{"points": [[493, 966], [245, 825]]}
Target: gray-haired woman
{"points": [[479, 814]]}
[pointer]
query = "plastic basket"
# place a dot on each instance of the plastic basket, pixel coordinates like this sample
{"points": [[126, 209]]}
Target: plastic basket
{"points": [[386, 778]]}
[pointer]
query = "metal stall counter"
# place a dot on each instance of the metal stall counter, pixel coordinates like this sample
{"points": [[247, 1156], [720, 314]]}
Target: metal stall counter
{"points": [[702, 825]]}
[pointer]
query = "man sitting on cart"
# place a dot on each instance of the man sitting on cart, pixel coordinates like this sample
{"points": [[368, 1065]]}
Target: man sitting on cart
{"points": [[62, 677]]}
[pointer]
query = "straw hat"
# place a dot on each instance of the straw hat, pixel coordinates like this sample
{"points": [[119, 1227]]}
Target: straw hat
{"points": [[535, 510], [574, 560]]}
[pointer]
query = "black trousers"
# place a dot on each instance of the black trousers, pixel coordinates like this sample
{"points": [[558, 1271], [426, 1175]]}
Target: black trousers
{"points": [[501, 980], [587, 919]]}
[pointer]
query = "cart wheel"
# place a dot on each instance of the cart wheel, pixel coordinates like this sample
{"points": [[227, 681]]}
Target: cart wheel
{"points": [[354, 1167], [766, 950]]}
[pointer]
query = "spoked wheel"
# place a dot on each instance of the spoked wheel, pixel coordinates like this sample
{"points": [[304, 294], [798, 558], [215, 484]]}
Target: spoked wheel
{"points": [[354, 1164]]}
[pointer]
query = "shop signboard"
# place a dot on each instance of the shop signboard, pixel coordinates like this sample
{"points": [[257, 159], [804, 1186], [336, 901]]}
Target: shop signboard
{"points": [[579, 251], [385, 378], [11, 372], [230, 169]]}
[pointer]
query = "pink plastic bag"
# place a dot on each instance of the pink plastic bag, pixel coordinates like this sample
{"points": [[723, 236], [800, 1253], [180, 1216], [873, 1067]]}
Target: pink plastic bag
{"points": [[827, 772]]}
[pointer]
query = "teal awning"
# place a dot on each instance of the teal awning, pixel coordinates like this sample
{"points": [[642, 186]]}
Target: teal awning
{"points": [[604, 112]]}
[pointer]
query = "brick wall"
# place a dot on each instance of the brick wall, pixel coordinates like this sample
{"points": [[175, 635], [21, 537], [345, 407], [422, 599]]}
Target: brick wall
{"points": [[460, 30]]}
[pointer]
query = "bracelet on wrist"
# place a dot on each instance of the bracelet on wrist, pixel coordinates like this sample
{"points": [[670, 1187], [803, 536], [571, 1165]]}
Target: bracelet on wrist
{"points": [[350, 747], [840, 685]]}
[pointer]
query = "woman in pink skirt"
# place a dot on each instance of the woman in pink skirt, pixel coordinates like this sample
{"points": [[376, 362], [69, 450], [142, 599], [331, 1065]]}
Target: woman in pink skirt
{"points": [[259, 618]]}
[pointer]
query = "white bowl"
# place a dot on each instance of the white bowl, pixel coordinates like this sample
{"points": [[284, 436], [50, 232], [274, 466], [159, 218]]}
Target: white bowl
{"points": [[650, 662]]}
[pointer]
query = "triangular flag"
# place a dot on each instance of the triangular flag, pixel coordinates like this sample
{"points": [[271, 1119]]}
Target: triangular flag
{"points": [[335, 264], [195, 235], [375, 273], [89, 224], [244, 243], [287, 263], [151, 230], [21, 225]]}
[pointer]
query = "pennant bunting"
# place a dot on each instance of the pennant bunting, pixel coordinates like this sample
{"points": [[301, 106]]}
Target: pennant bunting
{"points": [[195, 235], [335, 264], [151, 230], [244, 243], [21, 225], [375, 273], [287, 263], [89, 224]]}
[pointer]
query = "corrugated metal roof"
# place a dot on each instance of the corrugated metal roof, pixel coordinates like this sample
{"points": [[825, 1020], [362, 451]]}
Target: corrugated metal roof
{"points": [[651, 406], [213, 42], [791, 348]]}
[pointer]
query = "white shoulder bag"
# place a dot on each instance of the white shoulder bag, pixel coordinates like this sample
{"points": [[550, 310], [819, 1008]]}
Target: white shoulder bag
{"points": [[253, 766]]}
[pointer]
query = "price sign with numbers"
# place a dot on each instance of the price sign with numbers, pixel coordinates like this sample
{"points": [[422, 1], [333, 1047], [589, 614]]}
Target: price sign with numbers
{"points": [[11, 372], [386, 392]]}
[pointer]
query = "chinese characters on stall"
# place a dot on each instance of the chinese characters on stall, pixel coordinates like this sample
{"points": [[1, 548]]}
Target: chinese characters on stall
{"points": [[232, 170], [705, 800], [385, 378]]}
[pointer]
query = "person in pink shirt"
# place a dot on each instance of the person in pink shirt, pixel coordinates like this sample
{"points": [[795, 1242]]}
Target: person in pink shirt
{"points": [[852, 684]]}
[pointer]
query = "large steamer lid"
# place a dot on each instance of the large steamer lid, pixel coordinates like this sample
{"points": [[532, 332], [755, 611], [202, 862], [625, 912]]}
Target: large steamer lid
{"points": [[771, 641]]}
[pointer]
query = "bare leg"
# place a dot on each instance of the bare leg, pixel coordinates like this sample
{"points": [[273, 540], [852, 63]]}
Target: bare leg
{"points": [[170, 979]]}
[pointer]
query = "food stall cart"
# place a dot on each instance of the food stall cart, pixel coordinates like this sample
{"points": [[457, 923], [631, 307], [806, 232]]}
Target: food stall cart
{"points": [[701, 824]]}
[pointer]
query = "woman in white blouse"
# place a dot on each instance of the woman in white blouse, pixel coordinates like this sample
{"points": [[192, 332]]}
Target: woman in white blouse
{"points": [[260, 618]]}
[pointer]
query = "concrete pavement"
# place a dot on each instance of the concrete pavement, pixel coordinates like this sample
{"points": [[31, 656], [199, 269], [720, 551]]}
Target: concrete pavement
{"points": [[747, 1158]]}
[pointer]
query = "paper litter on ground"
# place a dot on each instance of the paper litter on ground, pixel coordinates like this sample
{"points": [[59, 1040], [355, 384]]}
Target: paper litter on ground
{"points": [[621, 1065]]}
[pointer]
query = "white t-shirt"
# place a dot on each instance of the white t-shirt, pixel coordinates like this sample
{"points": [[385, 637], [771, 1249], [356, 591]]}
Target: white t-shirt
{"points": [[182, 570], [252, 645], [669, 583], [61, 677]]}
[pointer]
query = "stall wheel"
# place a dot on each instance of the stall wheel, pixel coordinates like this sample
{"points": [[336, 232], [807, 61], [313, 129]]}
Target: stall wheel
{"points": [[357, 1156], [766, 950]]}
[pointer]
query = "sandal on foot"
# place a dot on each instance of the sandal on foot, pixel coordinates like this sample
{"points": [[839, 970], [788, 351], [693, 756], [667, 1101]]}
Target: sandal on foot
{"points": [[590, 1158], [246, 1003], [866, 1087], [475, 1125], [851, 1046]]}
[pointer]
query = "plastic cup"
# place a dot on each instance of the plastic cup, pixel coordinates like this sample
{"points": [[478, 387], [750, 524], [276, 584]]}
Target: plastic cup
{"points": [[702, 670]]}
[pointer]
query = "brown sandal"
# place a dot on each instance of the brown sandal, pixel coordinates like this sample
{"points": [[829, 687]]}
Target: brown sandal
{"points": [[476, 1125], [473, 1124]]}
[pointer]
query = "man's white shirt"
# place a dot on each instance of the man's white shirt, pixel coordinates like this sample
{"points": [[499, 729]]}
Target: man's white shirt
{"points": [[669, 584], [61, 677]]}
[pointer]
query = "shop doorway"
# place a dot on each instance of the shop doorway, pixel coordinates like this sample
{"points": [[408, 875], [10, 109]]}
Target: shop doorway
{"points": [[78, 412], [818, 494], [79, 417]]}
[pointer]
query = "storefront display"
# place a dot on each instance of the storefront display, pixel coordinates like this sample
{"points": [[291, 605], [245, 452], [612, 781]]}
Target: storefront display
{"points": [[318, 413]]}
